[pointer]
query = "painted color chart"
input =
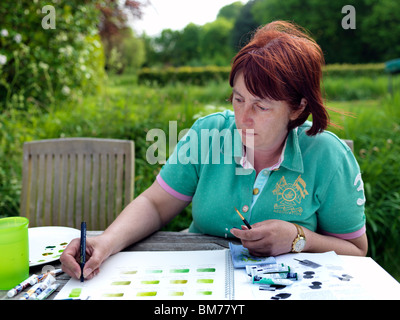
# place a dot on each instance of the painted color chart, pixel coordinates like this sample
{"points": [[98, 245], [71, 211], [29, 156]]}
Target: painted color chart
{"points": [[167, 275]]}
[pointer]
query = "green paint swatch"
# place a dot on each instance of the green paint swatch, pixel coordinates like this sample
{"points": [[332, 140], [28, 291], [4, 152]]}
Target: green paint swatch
{"points": [[75, 293], [204, 293], [121, 283], [113, 295], [147, 294], [178, 281], [205, 280], [129, 272], [154, 271], [179, 270], [176, 293], [206, 270], [150, 282]]}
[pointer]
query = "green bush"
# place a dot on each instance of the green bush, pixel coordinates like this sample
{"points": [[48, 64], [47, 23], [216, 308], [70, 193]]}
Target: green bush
{"points": [[354, 70], [200, 75], [190, 75], [340, 81], [39, 66], [376, 136]]}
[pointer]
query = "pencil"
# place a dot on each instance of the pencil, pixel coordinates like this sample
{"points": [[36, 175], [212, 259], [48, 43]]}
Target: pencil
{"points": [[244, 220], [83, 248]]}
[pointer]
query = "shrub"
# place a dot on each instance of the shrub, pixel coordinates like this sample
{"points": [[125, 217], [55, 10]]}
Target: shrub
{"points": [[376, 135], [39, 66], [201, 75], [190, 75]]}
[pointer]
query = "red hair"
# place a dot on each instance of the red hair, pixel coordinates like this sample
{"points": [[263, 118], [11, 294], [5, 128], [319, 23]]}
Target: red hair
{"points": [[282, 62]]}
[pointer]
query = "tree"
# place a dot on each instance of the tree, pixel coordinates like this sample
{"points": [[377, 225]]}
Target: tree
{"points": [[244, 26], [381, 29], [214, 42], [188, 45], [166, 46], [115, 34], [231, 11], [374, 39]]}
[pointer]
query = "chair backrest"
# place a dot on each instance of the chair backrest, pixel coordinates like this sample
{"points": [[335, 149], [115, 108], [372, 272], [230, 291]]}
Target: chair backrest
{"points": [[66, 181], [350, 143]]}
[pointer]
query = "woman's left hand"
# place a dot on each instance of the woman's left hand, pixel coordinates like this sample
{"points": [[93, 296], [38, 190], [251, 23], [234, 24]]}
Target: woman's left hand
{"points": [[267, 238]]}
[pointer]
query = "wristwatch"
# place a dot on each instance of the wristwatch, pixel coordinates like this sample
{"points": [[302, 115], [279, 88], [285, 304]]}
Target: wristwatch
{"points": [[300, 242]]}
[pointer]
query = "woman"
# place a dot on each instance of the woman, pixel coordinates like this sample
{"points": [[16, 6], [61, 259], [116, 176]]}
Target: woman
{"points": [[299, 186]]}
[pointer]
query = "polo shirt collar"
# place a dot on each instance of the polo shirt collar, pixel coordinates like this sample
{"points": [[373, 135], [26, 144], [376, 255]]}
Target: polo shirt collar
{"points": [[293, 159], [290, 159]]}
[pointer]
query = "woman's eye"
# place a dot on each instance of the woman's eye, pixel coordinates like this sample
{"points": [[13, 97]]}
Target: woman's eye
{"points": [[261, 108]]}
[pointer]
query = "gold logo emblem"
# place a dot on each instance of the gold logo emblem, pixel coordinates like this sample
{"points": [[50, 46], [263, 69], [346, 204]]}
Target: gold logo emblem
{"points": [[289, 196]]}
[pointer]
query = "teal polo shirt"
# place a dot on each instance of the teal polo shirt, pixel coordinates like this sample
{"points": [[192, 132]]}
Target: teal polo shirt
{"points": [[317, 182]]}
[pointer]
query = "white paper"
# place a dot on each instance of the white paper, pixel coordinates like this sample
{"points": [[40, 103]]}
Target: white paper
{"points": [[155, 275], [333, 280]]}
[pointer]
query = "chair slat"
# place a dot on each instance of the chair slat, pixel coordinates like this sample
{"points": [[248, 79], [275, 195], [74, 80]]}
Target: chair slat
{"points": [[94, 205], [48, 191], [70, 191], [56, 191]]}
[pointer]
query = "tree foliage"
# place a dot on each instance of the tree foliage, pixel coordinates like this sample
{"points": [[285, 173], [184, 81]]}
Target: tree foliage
{"points": [[39, 65], [123, 50], [375, 38]]}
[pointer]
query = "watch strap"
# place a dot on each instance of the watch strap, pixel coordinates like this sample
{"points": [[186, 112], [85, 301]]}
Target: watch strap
{"points": [[300, 231]]}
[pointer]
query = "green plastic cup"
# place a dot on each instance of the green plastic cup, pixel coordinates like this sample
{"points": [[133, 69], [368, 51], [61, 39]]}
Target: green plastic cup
{"points": [[14, 251]]}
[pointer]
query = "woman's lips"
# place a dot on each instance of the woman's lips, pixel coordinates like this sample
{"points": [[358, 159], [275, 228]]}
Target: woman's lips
{"points": [[248, 133]]}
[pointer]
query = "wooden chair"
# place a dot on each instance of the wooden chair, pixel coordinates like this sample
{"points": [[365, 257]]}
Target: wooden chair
{"points": [[66, 181], [350, 143]]}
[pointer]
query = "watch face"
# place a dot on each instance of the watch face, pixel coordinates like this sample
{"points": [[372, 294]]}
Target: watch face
{"points": [[299, 245]]}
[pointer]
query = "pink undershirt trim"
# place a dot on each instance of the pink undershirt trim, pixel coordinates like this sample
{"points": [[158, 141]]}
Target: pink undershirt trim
{"points": [[346, 236], [171, 191]]}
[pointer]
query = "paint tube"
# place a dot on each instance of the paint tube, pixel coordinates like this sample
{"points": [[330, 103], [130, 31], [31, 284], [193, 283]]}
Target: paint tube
{"points": [[54, 273], [268, 268], [265, 287], [42, 286], [289, 276], [23, 285], [26, 295], [46, 293], [277, 281]]}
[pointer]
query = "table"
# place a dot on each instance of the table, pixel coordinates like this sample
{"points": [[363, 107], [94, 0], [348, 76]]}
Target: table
{"points": [[159, 241], [183, 241]]}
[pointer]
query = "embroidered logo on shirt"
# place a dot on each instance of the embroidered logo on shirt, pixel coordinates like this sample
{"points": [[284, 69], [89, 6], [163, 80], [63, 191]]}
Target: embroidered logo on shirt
{"points": [[289, 196]]}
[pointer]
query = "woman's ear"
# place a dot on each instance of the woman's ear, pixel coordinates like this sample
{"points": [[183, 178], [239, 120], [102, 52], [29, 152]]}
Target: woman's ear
{"points": [[297, 112]]}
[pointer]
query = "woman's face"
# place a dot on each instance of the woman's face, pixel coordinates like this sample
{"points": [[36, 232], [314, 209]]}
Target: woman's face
{"points": [[263, 122]]}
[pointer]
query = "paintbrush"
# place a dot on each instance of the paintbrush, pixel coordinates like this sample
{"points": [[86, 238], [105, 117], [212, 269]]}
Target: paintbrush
{"points": [[244, 220]]}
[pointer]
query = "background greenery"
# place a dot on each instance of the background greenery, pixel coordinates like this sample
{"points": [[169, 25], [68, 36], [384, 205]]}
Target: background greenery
{"points": [[85, 79]]}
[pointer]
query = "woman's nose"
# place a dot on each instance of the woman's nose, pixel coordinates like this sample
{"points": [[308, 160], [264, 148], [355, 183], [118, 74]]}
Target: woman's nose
{"points": [[247, 116]]}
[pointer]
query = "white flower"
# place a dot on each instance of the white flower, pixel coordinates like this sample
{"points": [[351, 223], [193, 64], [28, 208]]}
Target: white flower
{"points": [[4, 33], [3, 60], [65, 90], [43, 65], [17, 38]]}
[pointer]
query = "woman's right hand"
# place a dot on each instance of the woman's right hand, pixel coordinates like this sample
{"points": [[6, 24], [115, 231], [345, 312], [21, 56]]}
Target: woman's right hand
{"points": [[97, 251]]}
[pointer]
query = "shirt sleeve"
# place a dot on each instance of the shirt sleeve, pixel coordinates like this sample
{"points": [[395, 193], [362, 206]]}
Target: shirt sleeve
{"points": [[342, 210], [180, 175]]}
